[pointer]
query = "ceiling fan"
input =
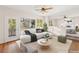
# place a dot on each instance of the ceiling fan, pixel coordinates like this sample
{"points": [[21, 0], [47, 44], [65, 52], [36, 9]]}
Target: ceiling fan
{"points": [[44, 9]]}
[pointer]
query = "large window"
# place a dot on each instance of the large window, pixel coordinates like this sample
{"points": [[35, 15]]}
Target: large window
{"points": [[12, 27], [40, 23]]}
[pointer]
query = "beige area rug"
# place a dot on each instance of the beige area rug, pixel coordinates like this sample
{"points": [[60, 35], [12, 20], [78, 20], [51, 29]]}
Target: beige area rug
{"points": [[61, 47], [57, 47]]}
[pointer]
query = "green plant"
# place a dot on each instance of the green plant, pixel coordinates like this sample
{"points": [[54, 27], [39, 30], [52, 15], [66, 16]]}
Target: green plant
{"points": [[46, 35], [77, 29], [39, 23], [12, 26], [45, 27]]}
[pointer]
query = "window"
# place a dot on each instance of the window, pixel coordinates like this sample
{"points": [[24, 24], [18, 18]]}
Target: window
{"points": [[12, 27], [40, 23], [50, 23]]}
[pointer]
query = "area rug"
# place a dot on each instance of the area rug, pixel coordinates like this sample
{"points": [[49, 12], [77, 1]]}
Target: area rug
{"points": [[58, 47]]}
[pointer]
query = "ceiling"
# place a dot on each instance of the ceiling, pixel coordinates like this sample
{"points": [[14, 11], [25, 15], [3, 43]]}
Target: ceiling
{"points": [[56, 11]]}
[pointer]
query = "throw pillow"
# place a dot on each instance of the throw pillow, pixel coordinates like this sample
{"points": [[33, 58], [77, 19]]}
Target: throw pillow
{"points": [[27, 32]]}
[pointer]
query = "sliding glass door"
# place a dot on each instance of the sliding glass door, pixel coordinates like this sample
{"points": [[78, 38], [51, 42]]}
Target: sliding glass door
{"points": [[11, 29]]}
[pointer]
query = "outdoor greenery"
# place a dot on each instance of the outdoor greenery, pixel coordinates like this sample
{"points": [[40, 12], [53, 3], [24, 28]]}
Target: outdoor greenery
{"points": [[77, 29], [12, 27], [40, 23]]}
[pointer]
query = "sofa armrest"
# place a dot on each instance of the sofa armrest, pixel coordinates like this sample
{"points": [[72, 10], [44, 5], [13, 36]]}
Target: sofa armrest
{"points": [[25, 38]]}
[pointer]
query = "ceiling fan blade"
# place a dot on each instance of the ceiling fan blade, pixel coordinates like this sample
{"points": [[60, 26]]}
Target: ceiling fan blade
{"points": [[48, 8], [38, 9]]}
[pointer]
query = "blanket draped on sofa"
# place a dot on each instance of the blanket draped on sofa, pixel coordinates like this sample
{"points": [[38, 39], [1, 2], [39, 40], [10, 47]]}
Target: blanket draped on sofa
{"points": [[33, 36]]}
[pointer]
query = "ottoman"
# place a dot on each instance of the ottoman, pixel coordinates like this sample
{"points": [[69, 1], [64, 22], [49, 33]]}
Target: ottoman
{"points": [[62, 39]]}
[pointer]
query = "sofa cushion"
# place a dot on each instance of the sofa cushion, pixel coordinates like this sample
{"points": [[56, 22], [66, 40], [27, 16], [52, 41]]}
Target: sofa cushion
{"points": [[32, 30], [33, 36], [40, 35]]}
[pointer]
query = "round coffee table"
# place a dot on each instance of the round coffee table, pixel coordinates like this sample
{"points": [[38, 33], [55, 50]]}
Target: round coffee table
{"points": [[43, 42]]}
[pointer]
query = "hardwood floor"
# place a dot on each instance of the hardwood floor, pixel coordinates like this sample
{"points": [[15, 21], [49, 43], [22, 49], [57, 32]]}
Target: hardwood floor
{"points": [[74, 48], [12, 47]]}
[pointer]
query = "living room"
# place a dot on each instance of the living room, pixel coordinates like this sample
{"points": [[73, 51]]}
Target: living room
{"points": [[54, 21]]}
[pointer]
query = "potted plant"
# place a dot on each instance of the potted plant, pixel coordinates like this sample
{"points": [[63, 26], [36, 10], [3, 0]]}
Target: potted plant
{"points": [[45, 27]]}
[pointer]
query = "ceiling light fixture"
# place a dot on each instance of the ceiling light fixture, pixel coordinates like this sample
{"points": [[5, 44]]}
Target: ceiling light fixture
{"points": [[44, 9]]}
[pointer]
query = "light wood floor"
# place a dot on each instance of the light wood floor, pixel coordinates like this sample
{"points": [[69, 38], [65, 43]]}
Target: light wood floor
{"points": [[12, 47]]}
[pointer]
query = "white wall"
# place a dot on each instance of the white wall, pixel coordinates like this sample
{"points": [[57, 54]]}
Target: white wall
{"points": [[76, 20], [1, 30]]}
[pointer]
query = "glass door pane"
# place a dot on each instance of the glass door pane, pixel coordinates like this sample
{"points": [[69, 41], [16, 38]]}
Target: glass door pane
{"points": [[12, 27]]}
